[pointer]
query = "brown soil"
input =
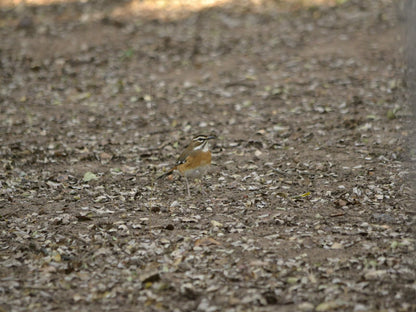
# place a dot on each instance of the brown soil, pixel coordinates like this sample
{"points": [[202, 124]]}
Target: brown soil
{"points": [[308, 203]]}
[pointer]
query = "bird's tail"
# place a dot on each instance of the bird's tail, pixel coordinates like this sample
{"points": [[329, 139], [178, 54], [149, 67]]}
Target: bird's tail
{"points": [[169, 172]]}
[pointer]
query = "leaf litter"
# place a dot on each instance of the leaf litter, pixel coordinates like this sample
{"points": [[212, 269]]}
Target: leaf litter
{"points": [[309, 201]]}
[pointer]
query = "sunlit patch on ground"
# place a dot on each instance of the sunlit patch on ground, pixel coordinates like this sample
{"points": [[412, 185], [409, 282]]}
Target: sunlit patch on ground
{"points": [[178, 8], [181, 8]]}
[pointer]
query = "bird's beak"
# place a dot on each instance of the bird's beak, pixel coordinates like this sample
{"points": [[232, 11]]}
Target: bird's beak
{"points": [[211, 137]]}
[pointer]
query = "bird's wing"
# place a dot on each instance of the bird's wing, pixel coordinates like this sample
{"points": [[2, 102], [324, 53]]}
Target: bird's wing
{"points": [[182, 157]]}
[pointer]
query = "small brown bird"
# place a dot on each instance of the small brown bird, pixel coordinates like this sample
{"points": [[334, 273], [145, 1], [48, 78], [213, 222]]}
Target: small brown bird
{"points": [[194, 160]]}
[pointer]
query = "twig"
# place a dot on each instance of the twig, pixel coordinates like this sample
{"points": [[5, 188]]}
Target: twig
{"points": [[339, 214]]}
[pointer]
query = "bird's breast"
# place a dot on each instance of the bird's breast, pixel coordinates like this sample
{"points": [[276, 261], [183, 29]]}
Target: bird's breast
{"points": [[196, 163]]}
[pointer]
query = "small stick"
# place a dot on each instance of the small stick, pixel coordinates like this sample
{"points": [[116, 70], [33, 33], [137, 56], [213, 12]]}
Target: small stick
{"points": [[339, 214]]}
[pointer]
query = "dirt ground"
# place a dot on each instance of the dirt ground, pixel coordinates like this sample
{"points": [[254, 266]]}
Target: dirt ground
{"points": [[307, 206]]}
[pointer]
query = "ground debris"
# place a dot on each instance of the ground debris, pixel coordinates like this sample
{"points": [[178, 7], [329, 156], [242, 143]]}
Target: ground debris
{"points": [[306, 207]]}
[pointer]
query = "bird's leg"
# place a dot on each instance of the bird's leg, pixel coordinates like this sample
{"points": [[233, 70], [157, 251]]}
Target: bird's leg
{"points": [[187, 186]]}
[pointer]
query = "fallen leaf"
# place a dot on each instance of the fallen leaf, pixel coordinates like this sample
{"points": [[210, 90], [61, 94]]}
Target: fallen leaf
{"points": [[206, 241], [88, 176]]}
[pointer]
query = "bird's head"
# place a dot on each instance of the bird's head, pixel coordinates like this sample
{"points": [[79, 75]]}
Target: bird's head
{"points": [[201, 141]]}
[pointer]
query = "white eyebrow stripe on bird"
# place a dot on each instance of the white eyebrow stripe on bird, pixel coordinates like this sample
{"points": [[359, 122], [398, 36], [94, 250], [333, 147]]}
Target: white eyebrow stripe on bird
{"points": [[200, 137]]}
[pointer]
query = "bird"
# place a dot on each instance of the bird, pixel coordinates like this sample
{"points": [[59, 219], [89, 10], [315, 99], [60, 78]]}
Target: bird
{"points": [[194, 160]]}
